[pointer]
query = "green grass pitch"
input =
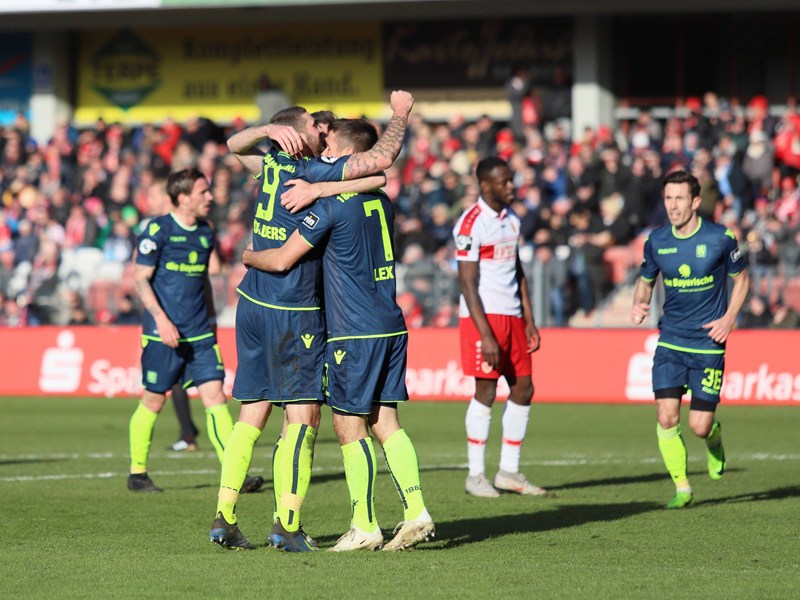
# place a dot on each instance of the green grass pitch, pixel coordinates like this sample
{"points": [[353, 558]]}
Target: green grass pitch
{"points": [[72, 530]]}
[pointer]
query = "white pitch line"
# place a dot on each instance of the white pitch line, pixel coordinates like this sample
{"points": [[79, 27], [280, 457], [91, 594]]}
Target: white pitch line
{"points": [[569, 459], [571, 462]]}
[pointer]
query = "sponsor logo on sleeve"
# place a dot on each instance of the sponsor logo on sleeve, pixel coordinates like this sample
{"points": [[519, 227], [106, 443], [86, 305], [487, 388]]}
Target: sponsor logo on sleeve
{"points": [[329, 159], [146, 246], [736, 255], [310, 220], [463, 242]]}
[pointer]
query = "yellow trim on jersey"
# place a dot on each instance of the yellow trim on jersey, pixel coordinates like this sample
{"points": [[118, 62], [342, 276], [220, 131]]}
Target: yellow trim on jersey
{"points": [[686, 237], [272, 401], [197, 338], [275, 306], [692, 350], [304, 239], [181, 225], [367, 337], [648, 279]]}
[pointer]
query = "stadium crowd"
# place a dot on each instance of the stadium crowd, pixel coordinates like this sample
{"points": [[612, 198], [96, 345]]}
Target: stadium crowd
{"points": [[73, 205]]}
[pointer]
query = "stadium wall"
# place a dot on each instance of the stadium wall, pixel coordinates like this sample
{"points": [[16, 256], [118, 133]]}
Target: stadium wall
{"points": [[574, 365]]}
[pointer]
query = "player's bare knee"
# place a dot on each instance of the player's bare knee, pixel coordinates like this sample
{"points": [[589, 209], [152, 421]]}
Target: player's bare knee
{"points": [[522, 396], [153, 402], [349, 428]]}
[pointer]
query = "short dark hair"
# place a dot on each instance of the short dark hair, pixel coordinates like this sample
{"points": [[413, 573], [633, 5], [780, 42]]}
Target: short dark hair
{"points": [[292, 116], [182, 182], [359, 134], [323, 116], [683, 177], [487, 165]]}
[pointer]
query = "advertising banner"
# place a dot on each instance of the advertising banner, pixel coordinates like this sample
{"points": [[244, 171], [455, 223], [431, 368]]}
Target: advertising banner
{"points": [[149, 75], [16, 75], [573, 365], [474, 54]]}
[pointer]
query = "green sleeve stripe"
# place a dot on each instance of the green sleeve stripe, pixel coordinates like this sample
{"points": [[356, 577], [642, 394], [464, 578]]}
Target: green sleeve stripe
{"points": [[648, 279], [367, 337], [692, 350], [302, 237], [197, 338], [275, 306]]}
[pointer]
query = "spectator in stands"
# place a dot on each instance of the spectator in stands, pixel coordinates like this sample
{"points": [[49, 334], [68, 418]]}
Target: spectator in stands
{"points": [[127, 312], [756, 313], [78, 314], [26, 244], [759, 160], [270, 98], [517, 90], [612, 175], [586, 266], [14, 312], [784, 317], [79, 179]]}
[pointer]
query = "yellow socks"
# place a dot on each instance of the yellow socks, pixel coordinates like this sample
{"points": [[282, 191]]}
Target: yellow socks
{"points": [[141, 435], [219, 425], [238, 454], [359, 468], [401, 458]]}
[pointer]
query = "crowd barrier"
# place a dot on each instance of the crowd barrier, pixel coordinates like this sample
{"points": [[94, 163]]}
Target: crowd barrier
{"points": [[573, 365]]}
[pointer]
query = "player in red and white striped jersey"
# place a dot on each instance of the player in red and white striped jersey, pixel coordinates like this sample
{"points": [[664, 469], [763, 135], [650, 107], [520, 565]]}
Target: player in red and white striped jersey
{"points": [[498, 333]]}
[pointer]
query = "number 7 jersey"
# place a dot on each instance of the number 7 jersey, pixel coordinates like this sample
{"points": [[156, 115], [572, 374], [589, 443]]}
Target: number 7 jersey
{"points": [[358, 264]]}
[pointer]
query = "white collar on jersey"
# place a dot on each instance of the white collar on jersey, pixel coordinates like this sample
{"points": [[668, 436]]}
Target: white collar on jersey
{"points": [[485, 205]]}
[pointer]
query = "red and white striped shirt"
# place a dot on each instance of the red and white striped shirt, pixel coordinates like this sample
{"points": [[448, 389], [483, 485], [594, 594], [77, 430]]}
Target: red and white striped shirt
{"points": [[492, 238]]}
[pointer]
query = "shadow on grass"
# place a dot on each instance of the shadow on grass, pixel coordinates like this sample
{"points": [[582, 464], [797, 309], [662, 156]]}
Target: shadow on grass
{"points": [[777, 494], [31, 461], [471, 531], [648, 478]]}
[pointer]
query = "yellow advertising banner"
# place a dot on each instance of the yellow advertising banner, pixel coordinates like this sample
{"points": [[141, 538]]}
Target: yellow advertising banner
{"points": [[149, 75]]}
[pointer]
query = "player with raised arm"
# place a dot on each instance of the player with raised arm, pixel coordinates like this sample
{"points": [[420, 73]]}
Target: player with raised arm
{"points": [[498, 333], [178, 340], [695, 258], [367, 343], [280, 331]]}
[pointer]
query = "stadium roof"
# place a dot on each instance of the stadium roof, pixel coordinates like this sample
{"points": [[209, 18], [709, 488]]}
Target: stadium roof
{"points": [[85, 14]]}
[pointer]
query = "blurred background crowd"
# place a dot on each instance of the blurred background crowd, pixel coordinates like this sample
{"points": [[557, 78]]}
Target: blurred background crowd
{"points": [[73, 206]]}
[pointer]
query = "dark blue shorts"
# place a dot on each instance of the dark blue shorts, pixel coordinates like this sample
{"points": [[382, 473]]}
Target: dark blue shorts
{"points": [[194, 363], [280, 353], [700, 373], [364, 371]]}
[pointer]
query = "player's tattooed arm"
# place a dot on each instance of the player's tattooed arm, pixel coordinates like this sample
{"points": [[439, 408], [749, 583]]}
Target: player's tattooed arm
{"points": [[381, 156], [166, 328]]}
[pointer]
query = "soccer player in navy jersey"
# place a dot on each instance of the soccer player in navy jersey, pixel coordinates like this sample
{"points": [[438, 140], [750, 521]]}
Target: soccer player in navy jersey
{"points": [[179, 340], [695, 258], [367, 342], [280, 332]]}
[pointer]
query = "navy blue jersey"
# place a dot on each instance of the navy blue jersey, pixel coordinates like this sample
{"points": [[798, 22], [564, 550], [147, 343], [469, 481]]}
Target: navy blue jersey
{"points": [[694, 270], [358, 264], [180, 255], [300, 287]]}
